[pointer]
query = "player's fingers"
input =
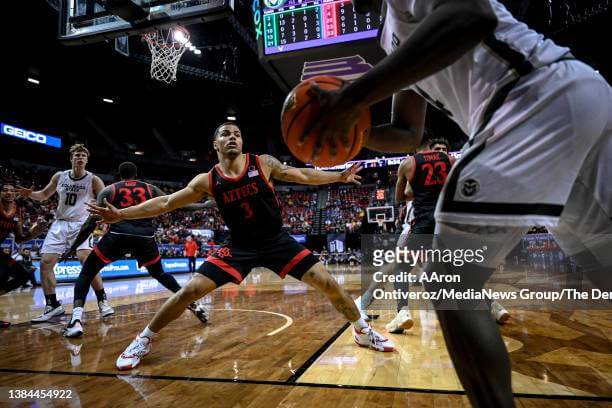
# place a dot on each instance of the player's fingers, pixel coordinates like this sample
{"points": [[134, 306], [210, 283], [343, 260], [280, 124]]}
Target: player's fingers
{"points": [[355, 168], [319, 141], [333, 145], [306, 133]]}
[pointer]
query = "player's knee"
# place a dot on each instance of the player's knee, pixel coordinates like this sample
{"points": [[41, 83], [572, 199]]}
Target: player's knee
{"points": [[191, 292], [47, 262]]}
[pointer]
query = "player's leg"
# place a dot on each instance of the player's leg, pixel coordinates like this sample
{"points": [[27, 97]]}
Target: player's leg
{"points": [[91, 268], [472, 336], [421, 234], [96, 283], [53, 246], [319, 278], [147, 253], [47, 277], [226, 265], [285, 257], [171, 310]]}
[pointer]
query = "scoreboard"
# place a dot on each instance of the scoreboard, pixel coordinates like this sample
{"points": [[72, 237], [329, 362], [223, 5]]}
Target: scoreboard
{"points": [[301, 39], [302, 24]]}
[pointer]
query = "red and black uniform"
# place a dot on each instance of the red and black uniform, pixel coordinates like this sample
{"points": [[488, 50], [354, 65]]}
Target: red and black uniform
{"points": [[429, 173], [12, 274], [130, 236], [251, 210]]}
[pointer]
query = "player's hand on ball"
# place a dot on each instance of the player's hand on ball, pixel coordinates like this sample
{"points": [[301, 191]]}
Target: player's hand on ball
{"points": [[23, 191], [108, 214], [350, 175], [337, 117]]}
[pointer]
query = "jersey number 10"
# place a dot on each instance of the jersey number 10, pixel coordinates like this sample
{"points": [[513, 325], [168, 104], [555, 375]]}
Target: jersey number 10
{"points": [[71, 199]]}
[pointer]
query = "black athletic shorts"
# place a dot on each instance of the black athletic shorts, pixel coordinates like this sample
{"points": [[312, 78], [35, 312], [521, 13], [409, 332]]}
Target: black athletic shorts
{"points": [[282, 254], [114, 246], [425, 224]]}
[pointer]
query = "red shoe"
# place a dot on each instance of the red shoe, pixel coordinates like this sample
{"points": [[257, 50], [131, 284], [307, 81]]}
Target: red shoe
{"points": [[4, 325]]}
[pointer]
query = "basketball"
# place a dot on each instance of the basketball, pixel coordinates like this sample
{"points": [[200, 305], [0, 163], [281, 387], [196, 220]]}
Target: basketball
{"points": [[301, 107]]}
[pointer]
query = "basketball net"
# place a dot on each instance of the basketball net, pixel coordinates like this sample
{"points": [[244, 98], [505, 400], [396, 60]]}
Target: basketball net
{"points": [[167, 47]]}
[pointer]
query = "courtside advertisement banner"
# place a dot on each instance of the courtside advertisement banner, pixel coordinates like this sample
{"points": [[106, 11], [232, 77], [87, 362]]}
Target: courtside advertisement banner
{"points": [[127, 268]]}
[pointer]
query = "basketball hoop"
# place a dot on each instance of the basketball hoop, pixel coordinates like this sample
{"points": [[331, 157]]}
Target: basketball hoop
{"points": [[166, 46]]}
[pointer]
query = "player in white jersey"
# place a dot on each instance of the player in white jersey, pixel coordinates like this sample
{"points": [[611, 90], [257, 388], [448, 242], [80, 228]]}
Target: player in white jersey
{"points": [[540, 150], [74, 188]]}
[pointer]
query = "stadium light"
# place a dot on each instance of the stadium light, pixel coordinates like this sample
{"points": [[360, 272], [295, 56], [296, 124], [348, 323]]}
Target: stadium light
{"points": [[139, 153], [197, 52], [193, 159], [33, 81], [107, 100], [231, 117], [179, 36]]}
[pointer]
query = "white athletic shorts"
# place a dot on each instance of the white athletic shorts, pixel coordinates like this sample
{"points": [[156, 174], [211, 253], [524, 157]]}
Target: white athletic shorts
{"points": [[61, 235], [551, 137]]}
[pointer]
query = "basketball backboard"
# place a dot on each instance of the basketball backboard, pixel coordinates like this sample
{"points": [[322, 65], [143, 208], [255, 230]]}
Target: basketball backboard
{"points": [[83, 21], [384, 213]]}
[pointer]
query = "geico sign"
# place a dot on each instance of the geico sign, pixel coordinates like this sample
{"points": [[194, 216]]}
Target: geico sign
{"points": [[24, 134]]}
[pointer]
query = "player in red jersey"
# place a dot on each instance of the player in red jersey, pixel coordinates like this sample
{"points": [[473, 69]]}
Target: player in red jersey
{"points": [[241, 186], [131, 236], [12, 274]]}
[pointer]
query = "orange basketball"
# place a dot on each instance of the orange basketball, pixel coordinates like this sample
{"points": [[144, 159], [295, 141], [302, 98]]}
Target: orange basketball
{"points": [[302, 107]]}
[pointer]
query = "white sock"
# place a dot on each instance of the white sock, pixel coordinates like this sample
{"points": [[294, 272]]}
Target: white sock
{"points": [[77, 314], [360, 324], [147, 333]]}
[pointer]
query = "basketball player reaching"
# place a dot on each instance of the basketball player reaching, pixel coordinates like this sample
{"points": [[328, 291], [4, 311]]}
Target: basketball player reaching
{"points": [[74, 188], [540, 149], [241, 186], [135, 237], [12, 273]]}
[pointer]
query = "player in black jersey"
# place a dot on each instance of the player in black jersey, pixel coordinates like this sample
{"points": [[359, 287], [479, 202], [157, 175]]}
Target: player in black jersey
{"points": [[241, 185], [13, 274], [130, 236]]}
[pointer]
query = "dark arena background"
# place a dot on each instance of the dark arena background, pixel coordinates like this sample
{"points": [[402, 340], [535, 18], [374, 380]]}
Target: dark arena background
{"points": [[79, 72]]}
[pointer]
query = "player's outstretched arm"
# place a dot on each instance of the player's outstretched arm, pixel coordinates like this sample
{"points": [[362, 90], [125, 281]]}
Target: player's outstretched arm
{"points": [[40, 195], [278, 171], [158, 192], [197, 189]]}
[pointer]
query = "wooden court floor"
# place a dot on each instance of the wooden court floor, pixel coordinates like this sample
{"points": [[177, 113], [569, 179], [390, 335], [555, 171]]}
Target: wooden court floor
{"points": [[273, 343]]}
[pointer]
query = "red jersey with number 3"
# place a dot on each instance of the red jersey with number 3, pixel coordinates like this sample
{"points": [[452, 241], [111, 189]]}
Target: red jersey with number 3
{"points": [[128, 193], [430, 170], [248, 203]]}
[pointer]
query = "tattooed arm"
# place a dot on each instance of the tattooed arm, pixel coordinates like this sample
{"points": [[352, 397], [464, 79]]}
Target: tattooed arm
{"points": [[274, 169]]}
